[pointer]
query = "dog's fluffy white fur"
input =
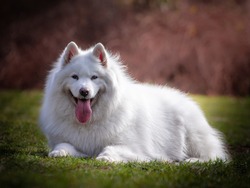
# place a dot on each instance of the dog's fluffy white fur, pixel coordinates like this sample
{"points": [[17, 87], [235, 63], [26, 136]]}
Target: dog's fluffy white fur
{"points": [[119, 119]]}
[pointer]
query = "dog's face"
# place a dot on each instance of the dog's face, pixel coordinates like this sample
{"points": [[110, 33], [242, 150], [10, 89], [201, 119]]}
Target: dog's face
{"points": [[82, 78]]}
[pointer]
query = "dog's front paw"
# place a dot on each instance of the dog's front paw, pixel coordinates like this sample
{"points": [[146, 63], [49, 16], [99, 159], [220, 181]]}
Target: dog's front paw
{"points": [[193, 160], [105, 158], [58, 153]]}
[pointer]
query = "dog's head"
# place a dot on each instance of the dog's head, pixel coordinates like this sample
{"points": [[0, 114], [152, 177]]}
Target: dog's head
{"points": [[82, 76]]}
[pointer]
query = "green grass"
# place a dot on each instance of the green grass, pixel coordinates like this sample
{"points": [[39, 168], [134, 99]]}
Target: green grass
{"points": [[24, 161]]}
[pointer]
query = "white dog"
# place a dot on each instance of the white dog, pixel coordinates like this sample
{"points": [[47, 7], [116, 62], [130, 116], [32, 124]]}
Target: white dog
{"points": [[93, 108]]}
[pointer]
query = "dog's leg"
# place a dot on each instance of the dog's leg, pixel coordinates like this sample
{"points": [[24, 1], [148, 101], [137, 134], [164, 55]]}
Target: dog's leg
{"points": [[121, 153], [65, 149], [118, 153]]}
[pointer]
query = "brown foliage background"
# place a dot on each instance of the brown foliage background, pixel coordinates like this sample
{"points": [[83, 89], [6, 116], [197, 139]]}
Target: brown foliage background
{"points": [[199, 46]]}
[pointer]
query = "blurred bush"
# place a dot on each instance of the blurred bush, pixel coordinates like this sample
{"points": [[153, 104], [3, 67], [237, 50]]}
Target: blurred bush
{"points": [[199, 46]]}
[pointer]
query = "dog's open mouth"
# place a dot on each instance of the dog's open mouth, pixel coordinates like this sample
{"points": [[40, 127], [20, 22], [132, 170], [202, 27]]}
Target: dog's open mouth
{"points": [[83, 108], [75, 100]]}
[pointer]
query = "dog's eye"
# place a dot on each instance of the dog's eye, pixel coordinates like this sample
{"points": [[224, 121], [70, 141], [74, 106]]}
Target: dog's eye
{"points": [[74, 76], [94, 77]]}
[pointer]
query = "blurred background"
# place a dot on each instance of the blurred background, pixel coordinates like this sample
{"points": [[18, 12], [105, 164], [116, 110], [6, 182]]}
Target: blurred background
{"points": [[199, 46]]}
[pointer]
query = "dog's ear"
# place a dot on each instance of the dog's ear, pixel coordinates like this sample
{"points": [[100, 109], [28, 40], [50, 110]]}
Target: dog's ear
{"points": [[70, 51], [100, 53]]}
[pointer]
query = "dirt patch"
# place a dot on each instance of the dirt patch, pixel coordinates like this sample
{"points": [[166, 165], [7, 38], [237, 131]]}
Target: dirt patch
{"points": [[196, 46]]}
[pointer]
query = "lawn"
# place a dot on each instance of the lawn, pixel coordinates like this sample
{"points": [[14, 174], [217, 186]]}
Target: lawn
{"points": [[24, 161]]}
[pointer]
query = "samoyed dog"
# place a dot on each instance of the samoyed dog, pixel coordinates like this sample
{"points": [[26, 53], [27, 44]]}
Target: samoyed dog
{"points": [[93, 108]]}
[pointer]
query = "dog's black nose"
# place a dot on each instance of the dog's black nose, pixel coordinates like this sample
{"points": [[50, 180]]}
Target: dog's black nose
{"points": [[84, 92]]}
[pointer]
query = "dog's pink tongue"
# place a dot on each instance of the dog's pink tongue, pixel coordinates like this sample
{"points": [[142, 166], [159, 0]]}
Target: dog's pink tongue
{"points": [[83, 110]]}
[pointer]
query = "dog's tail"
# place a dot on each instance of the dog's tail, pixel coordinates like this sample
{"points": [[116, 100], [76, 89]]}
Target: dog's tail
{"points": [[206, 144]]}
